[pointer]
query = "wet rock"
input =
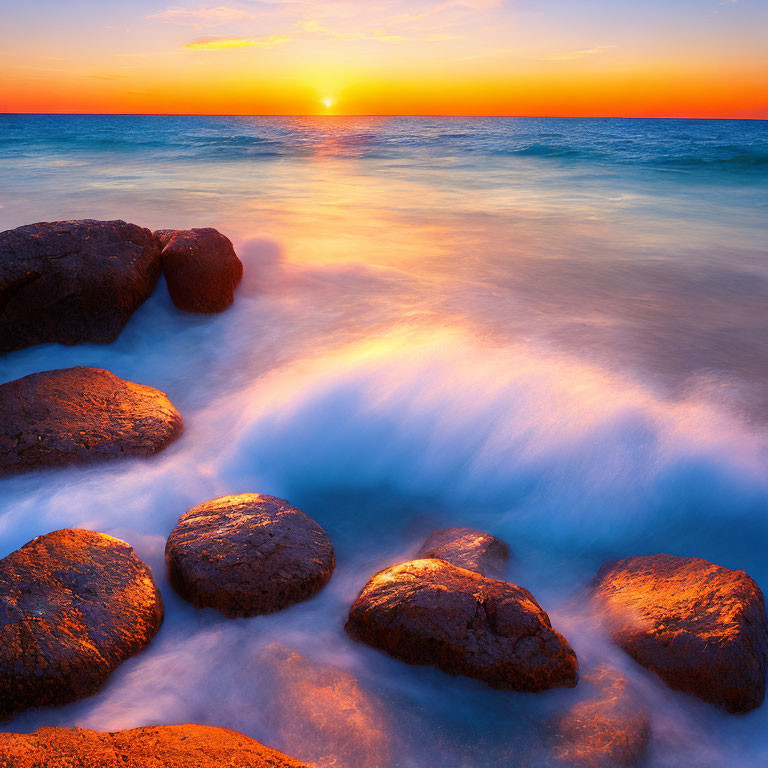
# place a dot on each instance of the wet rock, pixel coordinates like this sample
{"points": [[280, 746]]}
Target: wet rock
{"points": [[248, 554], [432, 612], [160, 746], [607, 730], [73, 281], [700, 627], [81, 415], [200, 267], [322, 712], [73, 606], [468, 548]]}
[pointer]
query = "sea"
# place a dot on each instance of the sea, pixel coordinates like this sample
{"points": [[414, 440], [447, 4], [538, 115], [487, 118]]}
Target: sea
{"points": [[553, 330]]}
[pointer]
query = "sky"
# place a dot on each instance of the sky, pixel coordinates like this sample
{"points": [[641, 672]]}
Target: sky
{"points": [[665, 58]]}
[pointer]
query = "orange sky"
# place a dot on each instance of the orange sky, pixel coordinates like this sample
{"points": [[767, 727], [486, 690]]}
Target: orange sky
{"points": [[696, 58]]}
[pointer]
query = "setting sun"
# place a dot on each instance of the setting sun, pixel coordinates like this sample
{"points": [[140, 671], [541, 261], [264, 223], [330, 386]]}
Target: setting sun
{"points": [[327, 103]]}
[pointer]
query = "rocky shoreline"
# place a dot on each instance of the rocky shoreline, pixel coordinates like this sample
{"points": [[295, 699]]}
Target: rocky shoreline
{"points": [[76, 603]]}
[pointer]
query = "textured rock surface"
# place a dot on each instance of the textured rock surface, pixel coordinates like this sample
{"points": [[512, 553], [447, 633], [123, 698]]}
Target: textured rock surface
{"points": [[73, 606], [163, 746], [79, 415], [200, 267], [605, 731], [248, 554], [698, 626], [73, 281], [468, 548], [432, 612], [322, 712]]}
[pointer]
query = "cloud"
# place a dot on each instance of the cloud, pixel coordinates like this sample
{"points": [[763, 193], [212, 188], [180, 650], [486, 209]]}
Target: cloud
{"points": [[222, 43], [580, 54], [379, 35], [203, 17]]}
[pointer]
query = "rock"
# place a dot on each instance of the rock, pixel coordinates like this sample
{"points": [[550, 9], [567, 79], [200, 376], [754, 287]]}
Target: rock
{"points": [[73, 281], [159, 746], [468, 548], [201, 269], [605, 731], [322, 711], [248, 554], [700, 627], [80, 415], [74, 605], [431, 612]]}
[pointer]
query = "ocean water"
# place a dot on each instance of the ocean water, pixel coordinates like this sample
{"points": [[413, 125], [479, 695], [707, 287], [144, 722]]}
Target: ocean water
{"points": [[555, 330]]}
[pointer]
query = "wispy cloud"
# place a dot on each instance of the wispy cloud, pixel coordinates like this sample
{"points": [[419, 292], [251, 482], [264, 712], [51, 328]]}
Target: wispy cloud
{"points": [[316, 27], [580, 54], [379, 35], [222, 43], [203, 17]]}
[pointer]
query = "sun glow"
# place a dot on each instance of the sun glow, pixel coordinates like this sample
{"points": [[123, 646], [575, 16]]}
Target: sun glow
{"points": [[327, 102]]}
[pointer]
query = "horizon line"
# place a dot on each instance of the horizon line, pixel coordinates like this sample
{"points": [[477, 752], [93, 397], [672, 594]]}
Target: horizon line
{"points": [[377, 114]]}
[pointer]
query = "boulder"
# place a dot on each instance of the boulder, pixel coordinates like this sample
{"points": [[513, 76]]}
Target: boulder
{"points": [[80, 415], [248, 554], [200, 267], [700, 627], [74, 605], [607, 730], [160, 746], [322, 711], [432, 612], [73, 281], [468, 548]]}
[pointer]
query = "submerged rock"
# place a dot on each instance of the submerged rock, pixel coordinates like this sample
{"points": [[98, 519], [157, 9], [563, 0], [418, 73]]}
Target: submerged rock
{"points": [[200, 267], [322, 711], [468, 548], [74, 605], [608, 730], [700, 627], [431, 612], [160, 746], [80, 415], [73, 281], [248, 554]]}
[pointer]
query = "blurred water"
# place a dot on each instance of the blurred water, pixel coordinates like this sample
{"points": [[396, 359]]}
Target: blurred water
{"points": [[554, 330]]}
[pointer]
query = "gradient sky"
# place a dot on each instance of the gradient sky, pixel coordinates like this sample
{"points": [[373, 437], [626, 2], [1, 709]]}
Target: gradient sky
{"points": [[696, 58]]}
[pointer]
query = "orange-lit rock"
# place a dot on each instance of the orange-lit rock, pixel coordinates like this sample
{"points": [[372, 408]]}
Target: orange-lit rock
{"points": [[608, 730], [73, 606], [73, 281], [200, 267], [248, 554], [81, 415], [432, 612], [321, 713], [161, 746], [468, 548], [700, 627]]}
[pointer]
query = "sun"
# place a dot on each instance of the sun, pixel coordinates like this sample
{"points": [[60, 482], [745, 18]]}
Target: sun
{"points": [[327, 102]]}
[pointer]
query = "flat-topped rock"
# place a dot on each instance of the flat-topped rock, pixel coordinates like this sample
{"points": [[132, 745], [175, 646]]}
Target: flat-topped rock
{"points": [[468, 548], [73, 281], [432, 612], [159, 746], [607, 730], [322, 711], [700, 627], [74, 605], [81, 414], [200, 267], [248, 554]]}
